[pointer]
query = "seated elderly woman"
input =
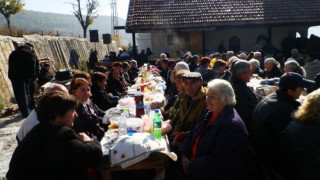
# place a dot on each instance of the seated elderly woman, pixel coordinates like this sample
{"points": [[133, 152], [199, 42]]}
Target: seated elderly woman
{"points": [[99, 96], [89, 118], [52, 150], [292, 65], [115, 85], [300, 141], [216, 146], [271, 68]]}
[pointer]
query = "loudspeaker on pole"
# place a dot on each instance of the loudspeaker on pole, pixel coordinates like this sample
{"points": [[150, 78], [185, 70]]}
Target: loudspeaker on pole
{"points": [[94, 36], [106, 38]]}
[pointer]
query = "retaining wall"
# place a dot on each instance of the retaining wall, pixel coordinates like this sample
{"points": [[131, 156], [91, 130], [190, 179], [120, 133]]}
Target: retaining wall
{"points": [[64, 52]]}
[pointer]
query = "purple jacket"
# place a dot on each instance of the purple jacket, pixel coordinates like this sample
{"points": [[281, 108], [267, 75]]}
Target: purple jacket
{"points": [[221, 150]]}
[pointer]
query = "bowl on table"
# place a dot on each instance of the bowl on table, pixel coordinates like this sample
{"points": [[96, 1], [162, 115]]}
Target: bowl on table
{"points": [[134, 124]]}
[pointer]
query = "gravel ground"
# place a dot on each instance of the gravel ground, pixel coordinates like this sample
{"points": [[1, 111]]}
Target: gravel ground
{"points": [[9, 127]]}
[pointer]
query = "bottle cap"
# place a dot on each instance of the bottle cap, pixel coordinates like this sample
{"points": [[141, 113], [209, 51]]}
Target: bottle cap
{"points": [[125, 110], [138, 89], [156, 110]]}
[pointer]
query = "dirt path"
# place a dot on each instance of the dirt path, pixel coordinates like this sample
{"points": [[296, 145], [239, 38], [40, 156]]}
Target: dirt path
{"points": [[9, 127]]}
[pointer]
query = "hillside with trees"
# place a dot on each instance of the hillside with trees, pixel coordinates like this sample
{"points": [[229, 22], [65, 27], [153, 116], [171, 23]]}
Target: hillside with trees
{"points": [[65, 25]]}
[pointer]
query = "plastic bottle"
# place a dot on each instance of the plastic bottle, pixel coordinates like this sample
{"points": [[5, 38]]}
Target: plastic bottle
{"points": [[157, 125], [126, 112], [123, 125], [138, 97]]}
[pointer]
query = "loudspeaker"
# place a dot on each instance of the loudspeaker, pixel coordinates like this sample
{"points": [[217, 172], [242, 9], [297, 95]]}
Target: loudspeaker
{"points": [[106, 38], [94, 37]]}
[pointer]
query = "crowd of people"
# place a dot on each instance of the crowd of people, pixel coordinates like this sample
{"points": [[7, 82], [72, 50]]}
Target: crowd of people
{"points": [[217, 125]]}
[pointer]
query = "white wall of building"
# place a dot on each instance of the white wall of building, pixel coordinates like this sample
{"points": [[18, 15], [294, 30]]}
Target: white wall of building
{"points": [[248, 38], [144, 41]]}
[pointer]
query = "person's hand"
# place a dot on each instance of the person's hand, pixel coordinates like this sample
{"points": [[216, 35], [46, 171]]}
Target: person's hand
{"points": [[185, 165], [84, 137], [166, 127]]}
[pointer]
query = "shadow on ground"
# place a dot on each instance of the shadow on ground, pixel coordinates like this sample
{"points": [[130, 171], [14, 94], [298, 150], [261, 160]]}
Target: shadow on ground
{"points": [[7, 121]]}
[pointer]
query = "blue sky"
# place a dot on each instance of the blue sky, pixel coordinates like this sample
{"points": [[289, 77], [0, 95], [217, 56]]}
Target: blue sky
{"points": [[64, 6]]}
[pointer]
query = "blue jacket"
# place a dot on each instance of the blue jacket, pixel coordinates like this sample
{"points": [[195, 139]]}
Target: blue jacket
{"points": [[221, 150]]}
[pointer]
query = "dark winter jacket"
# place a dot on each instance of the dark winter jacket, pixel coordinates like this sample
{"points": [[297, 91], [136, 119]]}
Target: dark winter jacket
{"points": [[259, 72], [271, 116], [246, 100], [300, 149], [115, 87], [275, 72], [53, 152], [22, 65], [221, 150], [89, 121], [44, 77], [102, 99]]}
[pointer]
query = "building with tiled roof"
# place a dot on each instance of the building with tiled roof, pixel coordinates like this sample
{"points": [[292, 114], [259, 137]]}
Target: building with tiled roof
{"points": [[199, 25]]}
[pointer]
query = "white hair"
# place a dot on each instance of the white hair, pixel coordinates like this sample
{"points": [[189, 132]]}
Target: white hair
{"points": [[240, 67], [294, 66], [163, 54], [230, 53], [242, 56], [55, 87], [233, 58], [134, 62], [270, 61], [255, 63], [256, 55], [227, 92], [181, 66], [294, 51]]}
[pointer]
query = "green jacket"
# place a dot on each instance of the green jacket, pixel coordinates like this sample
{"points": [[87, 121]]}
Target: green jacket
{"points": [[174, 111], [189, 116]]}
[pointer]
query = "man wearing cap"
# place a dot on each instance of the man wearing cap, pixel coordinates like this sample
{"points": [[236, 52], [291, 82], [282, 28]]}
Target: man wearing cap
{"points": [[192, 104], [21, 71], [272, 115]]}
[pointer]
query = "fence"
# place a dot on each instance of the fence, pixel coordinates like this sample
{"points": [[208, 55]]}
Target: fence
{"points": [[65, 52]]}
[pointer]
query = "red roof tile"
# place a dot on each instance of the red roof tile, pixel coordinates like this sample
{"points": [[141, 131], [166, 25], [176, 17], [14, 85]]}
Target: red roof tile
{"points": [[157, 15]]}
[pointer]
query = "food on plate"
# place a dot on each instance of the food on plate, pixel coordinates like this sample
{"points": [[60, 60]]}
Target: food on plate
{"points": [[113, 126]]}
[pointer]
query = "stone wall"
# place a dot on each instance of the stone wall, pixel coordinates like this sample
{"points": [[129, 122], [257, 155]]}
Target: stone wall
{"points": [[64, 52]]}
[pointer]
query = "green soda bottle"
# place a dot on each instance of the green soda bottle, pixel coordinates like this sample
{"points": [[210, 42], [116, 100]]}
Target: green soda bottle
{"points": [[157, 125]]}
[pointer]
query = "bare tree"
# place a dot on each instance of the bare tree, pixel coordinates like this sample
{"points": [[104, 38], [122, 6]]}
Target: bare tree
{"points": [[8, 8], [87, 19]]}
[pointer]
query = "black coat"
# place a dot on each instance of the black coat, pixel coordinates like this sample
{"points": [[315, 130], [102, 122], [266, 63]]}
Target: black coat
{"points": [[89, 121], [260, 72], [300, 149], [102, 99], [275, 72], [115, 87], [22, 65], [53, 152], [270, 117], [226, 76], [246, 100], [44, 77], [192, 66]]}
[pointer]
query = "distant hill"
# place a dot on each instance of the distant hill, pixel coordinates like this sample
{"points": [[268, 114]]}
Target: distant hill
{"points": [[66, 25]]}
